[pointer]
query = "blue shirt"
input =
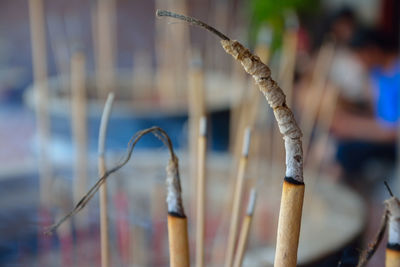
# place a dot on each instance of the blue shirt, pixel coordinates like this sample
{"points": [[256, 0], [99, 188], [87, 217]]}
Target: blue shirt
{"points": [[386, 88]]}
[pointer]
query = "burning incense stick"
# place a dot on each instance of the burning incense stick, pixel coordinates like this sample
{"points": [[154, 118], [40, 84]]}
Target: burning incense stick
{"points": [[293, 187], [201, 176], [393, 245], [177, 223], [39, 60], [244, 232], [237, 199], [105, 250]]}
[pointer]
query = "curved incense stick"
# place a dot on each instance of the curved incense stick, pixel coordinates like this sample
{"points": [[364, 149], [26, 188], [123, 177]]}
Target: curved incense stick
{"points": [[293, 190], [173, 181]]}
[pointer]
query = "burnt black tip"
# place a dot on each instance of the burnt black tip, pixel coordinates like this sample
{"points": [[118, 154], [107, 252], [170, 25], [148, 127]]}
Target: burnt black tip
{"points": [[393, 246], [178, 215], [293, 181]]}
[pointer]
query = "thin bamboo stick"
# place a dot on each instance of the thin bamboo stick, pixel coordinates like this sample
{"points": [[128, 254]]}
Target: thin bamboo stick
{"points": [[78, 107], [105, 248], [201, 176], [106, 44], [317, 86], [178, 241], [39, 60], [244, 232], [237, 199]]}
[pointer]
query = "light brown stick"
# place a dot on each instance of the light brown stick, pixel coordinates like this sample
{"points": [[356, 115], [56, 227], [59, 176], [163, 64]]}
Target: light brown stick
{"points": [[244, 232], [317, 86], [289, 231], [178, 241], [39, 60], [106, 38], [105, 249], [78, 107], [201, 177], [237, 199]]}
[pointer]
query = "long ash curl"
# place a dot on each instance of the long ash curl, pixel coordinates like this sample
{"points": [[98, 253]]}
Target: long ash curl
{"points": [[271, 90], [174, 199]]}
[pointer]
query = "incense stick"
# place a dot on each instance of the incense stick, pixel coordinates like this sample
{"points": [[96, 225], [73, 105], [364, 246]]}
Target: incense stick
{"points": [[39, 61], [237, 199], [293, 188], [105, 250], [244, 232], [393, 245], [201, 176], [177, 222]]}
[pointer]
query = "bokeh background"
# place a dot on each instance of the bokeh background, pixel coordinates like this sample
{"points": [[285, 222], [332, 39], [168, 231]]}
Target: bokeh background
{"points": [[337, 61]]}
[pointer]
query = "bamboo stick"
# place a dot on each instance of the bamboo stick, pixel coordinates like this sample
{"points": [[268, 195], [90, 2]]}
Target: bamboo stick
{"points": [[39, 61], [106, 44], [105, 248], [393, 245], [178, 241], [244, 232], [237, 199], [201, 176], [288, 228], [78, 107], [317, 86]]}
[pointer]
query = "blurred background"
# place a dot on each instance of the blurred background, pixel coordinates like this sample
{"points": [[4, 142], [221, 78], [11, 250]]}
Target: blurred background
{"points": [[337, 62]]}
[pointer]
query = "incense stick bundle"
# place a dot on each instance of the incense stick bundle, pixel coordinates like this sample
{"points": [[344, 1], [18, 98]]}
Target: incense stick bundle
{"points": [[39, 61], [105, 250], [393, 245], [201, 176], [244, 232], [237, 199], [293, 187]]}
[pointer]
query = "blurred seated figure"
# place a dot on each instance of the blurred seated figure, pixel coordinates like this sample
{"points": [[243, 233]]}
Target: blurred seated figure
{"points": [[368, 139]]}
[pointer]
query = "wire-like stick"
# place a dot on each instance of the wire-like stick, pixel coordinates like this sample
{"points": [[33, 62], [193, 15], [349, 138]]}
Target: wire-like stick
{"points": [[293, 188], [244, 232], [200, 203], [237, 200], [157, 131], [388, 188], [192, 21], [367, 254], [105, 250]]}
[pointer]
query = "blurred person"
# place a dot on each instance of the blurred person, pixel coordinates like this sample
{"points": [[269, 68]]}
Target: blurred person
{"points": [[366, 139]]}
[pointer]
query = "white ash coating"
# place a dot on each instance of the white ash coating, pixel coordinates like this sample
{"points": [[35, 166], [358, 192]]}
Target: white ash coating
{"points": [[393, 206], [203, 126], [246, 142], [174, 198], [103, 124], [277, 100], [252, 202]]}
